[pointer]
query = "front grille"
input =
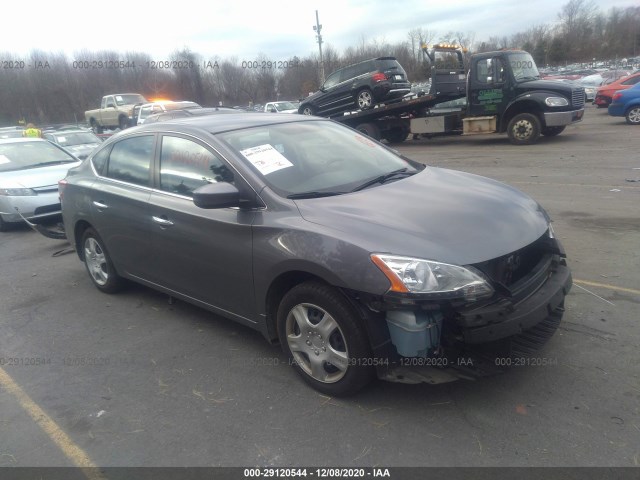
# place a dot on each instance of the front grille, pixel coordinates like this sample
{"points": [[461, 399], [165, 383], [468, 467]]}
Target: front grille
{"points": [[577, 97], [509, 269], [530, 341]]}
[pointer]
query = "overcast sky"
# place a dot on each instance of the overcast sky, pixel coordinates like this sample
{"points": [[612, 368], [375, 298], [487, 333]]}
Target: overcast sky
{"points": [[246, 28]]}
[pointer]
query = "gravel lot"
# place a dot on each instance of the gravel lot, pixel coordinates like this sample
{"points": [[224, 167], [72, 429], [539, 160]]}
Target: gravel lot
{"points": [[134, 381]]}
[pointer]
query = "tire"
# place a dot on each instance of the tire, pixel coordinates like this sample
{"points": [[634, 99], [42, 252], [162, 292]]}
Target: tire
{"points": [[633, 115], [4, 226], [99, 265], [524, 129], [397, 135], [370, 130], [123, 122], [306, 110], [552, 131], [317, 325], [364, 99], [95, 127]]}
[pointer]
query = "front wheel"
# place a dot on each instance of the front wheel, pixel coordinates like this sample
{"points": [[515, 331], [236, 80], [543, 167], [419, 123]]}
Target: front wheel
{"points": [[364, 99], [524, 129], [99, 265], [324, 339], [552, 131], [123, 122], [633, 116], [97, 129]]}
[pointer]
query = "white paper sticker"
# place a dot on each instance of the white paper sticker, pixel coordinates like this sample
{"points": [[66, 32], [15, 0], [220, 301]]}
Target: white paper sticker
{"points": [[118, 98], [62, 139], [266, 159], [4, 159]]}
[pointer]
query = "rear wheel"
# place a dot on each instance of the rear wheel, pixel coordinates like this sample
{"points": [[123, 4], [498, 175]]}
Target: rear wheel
{"points": [[4, 226], [324, 339], [552, 131], [98, 263], [95, 127], [397, 135], [364, 99], [633, 115], [370, 130], [524, 129]]}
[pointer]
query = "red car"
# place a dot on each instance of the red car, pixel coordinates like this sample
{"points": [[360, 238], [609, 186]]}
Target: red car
{"points": [[605, 92]]}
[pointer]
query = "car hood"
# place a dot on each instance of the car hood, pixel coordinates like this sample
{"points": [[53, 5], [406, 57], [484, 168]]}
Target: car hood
{"points": [[437, 214], [548, 85], [36, 177]]}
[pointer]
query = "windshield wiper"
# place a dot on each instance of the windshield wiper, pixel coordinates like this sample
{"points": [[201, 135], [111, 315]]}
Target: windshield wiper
{"points": [[46, 164], [383, 178], [301, 195]]}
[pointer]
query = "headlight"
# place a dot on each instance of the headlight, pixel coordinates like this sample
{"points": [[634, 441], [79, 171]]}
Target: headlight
{"points": [[556, 101], [17, 192], [438, 280]]}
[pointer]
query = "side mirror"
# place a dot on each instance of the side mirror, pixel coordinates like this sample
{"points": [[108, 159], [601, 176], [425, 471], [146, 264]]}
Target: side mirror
{"points": [[216, 195]]}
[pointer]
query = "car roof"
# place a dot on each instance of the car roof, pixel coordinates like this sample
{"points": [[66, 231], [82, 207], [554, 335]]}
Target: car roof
{"points": [[224, 123], [22, 140]]}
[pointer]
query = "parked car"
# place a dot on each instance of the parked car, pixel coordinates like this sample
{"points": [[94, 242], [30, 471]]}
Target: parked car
{"points": [[280, 107], [143, 111], [605, 92], [356, 259], [11, 132], [626, 103], [188, 112], [358, 87], [78, 142], [29, 172]]}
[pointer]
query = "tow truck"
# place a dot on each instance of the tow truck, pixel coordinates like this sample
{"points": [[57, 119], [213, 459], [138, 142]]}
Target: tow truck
{"points": [[504, 94]]}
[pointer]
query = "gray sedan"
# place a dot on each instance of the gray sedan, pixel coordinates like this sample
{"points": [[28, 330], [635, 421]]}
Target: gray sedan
{"points": [[358, 261]]}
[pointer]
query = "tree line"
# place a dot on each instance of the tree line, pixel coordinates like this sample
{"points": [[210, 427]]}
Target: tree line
{"points": [[48, 87]]}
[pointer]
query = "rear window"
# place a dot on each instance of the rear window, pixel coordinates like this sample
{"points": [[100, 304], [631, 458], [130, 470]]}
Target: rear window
{"points": [[388, 65]]}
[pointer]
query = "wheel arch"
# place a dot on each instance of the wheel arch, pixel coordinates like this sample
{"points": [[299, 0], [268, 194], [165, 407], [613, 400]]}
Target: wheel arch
{"points": [[521, 106], [78, 230]]}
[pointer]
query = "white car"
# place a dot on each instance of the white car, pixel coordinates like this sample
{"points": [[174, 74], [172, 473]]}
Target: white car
{"points": [[141, 112], [280, 107], [29, 172]]}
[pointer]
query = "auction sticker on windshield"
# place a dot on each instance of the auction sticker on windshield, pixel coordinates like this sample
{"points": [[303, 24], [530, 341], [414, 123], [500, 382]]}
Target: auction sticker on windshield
{"points": [[266, 159], [4, 159]]}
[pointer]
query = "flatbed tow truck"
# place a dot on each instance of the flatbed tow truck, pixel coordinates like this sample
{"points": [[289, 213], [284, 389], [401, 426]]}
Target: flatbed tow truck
{"points": [[504, 94]]}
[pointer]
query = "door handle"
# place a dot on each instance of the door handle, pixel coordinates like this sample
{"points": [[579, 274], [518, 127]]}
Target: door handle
{"points": [[165, 222], [100, 205]]}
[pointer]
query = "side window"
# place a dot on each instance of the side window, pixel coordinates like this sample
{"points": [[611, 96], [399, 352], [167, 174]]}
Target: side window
{"points": [[333, 79], [632, 81], [186, 165], [365, 67], [348, 73], [99, 160], [484, 71], [501, 71], [130, 159]]}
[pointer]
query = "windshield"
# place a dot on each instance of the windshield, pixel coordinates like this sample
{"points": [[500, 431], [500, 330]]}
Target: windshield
{"points": [[523, 66], [129, 99], [22, 155], [314, 157], [284, 106], [79, 138]]}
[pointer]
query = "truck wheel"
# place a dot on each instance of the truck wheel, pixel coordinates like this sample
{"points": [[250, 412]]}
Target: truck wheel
{"points": [[397, 135], [524, 129], [370, 130], [364, 99], [633, 116], [552, 131], [123, 122], [324, 339], [95, 127], [306, 110]]}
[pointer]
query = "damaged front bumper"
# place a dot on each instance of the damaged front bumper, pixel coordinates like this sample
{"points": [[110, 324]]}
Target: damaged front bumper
{"points": [[438, 343]]}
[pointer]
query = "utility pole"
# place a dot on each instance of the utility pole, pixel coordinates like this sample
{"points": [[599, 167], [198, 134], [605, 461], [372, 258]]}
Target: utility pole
{"points": [[318, 28]]}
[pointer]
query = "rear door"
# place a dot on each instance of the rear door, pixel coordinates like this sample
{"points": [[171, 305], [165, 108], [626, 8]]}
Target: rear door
{"points": [[204, 254], [119, 201]]}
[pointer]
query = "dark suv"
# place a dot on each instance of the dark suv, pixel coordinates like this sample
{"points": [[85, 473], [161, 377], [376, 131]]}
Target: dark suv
{"points": [[359, 86]]}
